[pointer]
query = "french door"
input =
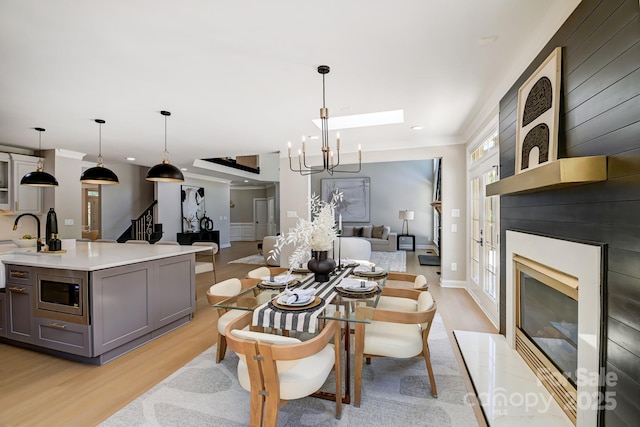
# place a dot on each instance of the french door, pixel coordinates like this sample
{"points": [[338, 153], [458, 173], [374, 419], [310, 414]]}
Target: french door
{"points": [[484, 250]]}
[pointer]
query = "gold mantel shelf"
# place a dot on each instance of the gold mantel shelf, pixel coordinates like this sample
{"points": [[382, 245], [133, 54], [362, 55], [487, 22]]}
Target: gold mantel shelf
{"points": [[556, 174]]}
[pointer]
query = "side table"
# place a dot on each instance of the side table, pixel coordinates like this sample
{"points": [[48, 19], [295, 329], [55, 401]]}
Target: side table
{"points": [[406, 242]]}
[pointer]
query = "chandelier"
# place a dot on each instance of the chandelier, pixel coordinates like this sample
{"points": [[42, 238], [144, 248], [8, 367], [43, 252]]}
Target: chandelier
{"points": [[330, 162]]}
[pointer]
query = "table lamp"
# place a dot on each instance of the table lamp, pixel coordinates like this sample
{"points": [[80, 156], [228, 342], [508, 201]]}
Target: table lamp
{"points": [[406, 216]]}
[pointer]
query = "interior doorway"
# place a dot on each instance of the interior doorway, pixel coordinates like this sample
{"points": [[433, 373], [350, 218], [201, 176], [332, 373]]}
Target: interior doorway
{"points": [[261, 218], [91, 212]]}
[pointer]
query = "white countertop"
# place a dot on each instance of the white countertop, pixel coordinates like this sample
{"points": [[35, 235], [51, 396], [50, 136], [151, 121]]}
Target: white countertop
{"points": [[91, 256]]}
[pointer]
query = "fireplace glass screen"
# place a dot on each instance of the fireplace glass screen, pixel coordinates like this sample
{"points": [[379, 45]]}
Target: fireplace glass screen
{"points": [[549, 318]]}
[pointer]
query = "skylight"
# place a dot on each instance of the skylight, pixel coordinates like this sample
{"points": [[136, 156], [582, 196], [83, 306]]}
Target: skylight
{"points": [[364, 120]]}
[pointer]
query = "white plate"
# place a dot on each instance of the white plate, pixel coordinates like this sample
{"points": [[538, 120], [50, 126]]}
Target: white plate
{"points": [[282, 300], [347, 284]]}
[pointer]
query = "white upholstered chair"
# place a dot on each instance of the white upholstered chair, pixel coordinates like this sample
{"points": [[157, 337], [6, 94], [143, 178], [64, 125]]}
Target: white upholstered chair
{"points": [[396, 334], [260, 272], [167, 243], [220, 292], [276, 369], [355, 248], [206, 260], [398, 303]]}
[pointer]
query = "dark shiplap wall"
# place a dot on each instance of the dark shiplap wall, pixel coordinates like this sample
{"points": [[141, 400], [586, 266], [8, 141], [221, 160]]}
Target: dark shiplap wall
{"points": [[600, 115]]}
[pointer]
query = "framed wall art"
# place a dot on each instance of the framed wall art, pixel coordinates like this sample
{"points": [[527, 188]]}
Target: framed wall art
{"points": [[538, 115], [354, 206], [192, 208]]}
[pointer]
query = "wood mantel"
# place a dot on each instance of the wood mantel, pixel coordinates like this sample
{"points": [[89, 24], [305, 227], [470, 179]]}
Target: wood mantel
{"points": [[556, 174]]}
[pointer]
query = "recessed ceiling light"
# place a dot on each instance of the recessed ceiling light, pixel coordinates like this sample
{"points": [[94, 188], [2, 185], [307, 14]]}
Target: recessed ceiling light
{"points": [[184, 169], [417, 127], [314, 137], [131, 159], [364, 120], [246, 180]]}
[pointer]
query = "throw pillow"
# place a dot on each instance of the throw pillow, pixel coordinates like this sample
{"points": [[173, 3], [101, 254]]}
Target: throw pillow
{"points": [[366, 231], [376, 232], [357, 231], [347, 231], [385, 233]]}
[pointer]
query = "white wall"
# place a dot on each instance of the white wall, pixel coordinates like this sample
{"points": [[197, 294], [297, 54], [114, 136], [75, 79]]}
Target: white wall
{"points": [[125, 201], [216, 196]]}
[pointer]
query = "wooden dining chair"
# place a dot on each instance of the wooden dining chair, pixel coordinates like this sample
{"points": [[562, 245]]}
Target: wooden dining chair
{"points": [[396, 334], [276, 369], [206, 260], [220, 292], [399, 303]]}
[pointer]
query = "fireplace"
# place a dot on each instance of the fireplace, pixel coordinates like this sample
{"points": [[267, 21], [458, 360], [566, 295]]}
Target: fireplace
{"points": [[553, 317], [547, 328]]}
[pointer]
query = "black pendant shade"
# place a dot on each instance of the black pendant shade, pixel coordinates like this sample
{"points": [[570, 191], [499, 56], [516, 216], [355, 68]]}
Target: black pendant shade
{"points": [[165, 171], [39, 178], [99, 174]]}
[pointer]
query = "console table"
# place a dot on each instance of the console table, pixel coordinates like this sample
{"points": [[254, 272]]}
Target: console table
{"points": [[206, 236]]}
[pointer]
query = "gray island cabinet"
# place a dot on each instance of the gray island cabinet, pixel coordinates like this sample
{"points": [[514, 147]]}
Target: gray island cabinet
{"points": [[98, 301]]}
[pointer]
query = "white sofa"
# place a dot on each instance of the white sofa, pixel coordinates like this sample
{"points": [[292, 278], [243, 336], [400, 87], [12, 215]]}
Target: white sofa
{"points": [[380, 237]]}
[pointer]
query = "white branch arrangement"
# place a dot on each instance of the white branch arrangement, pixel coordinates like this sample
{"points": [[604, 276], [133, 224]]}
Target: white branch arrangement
{"points": [[315, 235]]}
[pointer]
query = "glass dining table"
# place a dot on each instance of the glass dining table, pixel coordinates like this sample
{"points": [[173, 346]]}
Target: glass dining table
{"points": [[273, 303]]}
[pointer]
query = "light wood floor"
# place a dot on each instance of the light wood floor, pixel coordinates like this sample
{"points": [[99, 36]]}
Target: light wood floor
{"points": [[37, 389]]}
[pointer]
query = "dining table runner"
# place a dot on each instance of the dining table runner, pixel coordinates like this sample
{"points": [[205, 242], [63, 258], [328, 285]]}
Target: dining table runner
{"points": [[269, 316]]}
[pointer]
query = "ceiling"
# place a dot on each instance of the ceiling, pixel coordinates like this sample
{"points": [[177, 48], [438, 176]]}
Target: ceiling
{"points": [[239, 77]]}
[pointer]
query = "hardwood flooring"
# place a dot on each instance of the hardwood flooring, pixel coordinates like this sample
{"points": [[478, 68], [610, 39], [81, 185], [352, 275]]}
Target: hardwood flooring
{"points": [[38, 389]]}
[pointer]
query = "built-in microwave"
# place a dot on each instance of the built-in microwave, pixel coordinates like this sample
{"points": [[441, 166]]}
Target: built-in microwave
{"points": [[61, 295]]}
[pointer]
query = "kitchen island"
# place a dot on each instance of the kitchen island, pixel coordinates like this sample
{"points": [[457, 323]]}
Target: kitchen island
{"points": [[96, 301]]}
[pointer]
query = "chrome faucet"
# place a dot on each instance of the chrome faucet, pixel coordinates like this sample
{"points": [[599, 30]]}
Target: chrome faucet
{"points": [[15, 227]]}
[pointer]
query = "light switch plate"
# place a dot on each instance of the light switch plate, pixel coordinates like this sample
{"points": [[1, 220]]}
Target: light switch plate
{"points": [[68, 221], [455, 213]]}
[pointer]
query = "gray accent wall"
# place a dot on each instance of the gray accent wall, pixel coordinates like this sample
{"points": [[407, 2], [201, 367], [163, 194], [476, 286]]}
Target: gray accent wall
{"points": [[242, 211], [396, 186]]}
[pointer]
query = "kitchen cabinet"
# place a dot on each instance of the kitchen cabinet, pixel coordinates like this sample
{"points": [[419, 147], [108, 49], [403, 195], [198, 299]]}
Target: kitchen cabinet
{"points": [[19, 313], [3, 329], [68, 337], [19, 304], [24, 198], [5, 174]]}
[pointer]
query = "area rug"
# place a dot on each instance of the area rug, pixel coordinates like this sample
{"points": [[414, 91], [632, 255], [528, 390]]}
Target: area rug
{"points": [[397, 261], [395, 392], [251, 259], [431, 260]]}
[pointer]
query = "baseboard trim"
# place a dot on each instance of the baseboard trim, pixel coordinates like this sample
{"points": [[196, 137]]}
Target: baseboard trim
{"points": [[445, 283]]}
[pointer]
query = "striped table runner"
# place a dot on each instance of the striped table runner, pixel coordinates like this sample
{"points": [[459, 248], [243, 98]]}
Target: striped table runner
{"points": [[303, 321]]}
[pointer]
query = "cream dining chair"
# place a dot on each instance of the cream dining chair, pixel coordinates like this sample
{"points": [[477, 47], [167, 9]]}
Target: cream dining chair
{"points": [[219, 292], [206, 260], [399, 303], [396, 334], [260, 272], [276, 369]]}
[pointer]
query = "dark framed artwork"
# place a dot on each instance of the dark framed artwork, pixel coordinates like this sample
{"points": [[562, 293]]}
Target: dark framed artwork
{"points": [[354, 206], [538, 115], [192, 208]]}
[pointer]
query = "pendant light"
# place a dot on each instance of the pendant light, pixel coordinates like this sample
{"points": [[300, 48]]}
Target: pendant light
{"points": [[99, 174], [39, 178], [165, 171]]}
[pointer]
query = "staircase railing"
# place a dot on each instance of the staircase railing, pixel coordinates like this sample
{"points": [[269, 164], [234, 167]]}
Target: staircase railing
{"points": [[144, 227]]}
